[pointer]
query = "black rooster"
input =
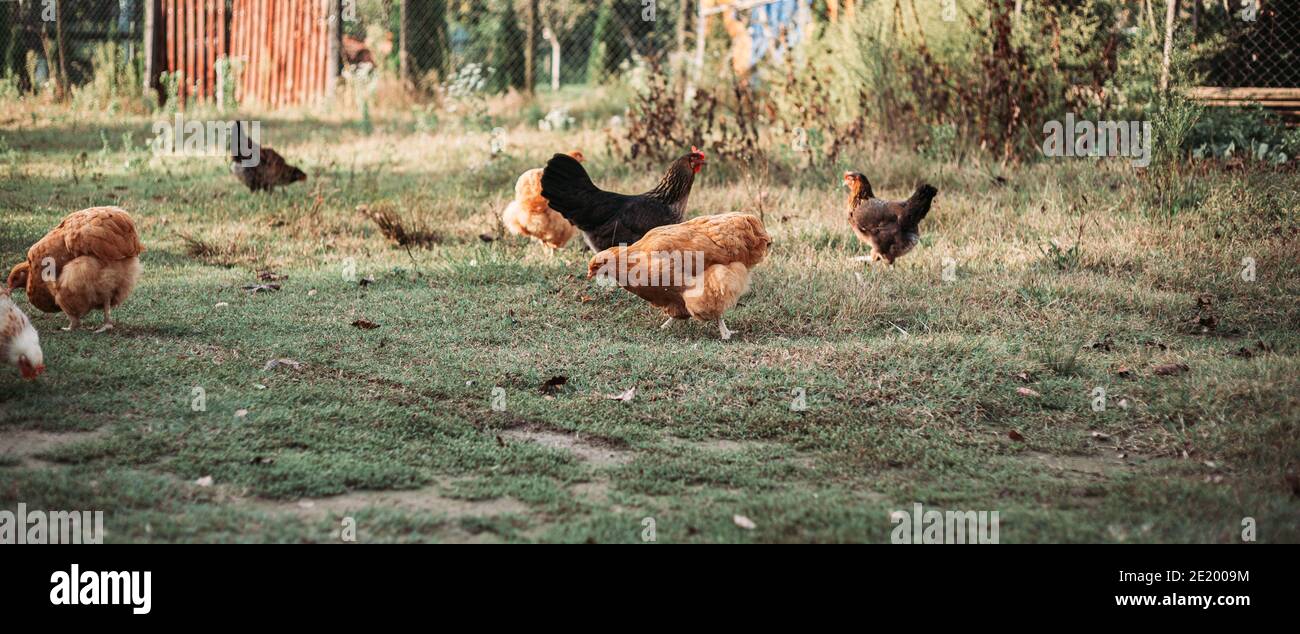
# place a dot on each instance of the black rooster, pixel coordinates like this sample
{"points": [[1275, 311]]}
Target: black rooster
{"points": [[608, 219], [892, 228], [259, 168]]}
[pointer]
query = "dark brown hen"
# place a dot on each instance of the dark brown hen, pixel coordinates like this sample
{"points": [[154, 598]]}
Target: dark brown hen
{"points": [[892, 228], [608, 219], [259, 168]]}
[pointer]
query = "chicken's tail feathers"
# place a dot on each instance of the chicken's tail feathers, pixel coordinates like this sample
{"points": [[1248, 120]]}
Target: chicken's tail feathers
{"points": [[924, 194], [569, 190], [18, 276], [918, 205]]}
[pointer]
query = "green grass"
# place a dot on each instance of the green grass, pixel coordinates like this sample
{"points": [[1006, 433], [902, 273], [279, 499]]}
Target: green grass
{"points": [[911, 381]]}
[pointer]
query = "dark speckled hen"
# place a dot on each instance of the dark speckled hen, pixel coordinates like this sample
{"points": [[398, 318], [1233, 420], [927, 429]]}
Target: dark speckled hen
{"points": [[891, 227], [267, 172]]}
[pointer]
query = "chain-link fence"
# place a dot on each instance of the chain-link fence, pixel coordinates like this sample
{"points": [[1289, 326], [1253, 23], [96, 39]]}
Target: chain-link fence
{"points": [[548, 44], [64, 41], [1263, 47]]}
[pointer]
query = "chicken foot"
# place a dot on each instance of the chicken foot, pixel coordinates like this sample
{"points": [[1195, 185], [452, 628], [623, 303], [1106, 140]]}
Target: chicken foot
{"points": [[108, 320]]}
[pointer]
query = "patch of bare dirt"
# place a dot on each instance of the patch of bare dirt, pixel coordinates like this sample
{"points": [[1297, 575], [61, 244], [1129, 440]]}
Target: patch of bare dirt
{"points": [[595, 453], [26, 444], [425, 500], [1099, 466]]}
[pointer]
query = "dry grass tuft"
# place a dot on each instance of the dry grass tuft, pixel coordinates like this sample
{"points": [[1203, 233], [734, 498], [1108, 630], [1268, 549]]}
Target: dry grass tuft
{"points": [[395, 230], [230, 255]]}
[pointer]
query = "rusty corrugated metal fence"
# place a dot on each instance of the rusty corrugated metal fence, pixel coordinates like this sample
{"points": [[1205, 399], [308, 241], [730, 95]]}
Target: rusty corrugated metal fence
{"points": [[281, 49]]}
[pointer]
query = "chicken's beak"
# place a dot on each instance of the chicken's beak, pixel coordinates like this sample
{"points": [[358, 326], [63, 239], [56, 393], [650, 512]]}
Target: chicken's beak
{"points": [[29, 371]]}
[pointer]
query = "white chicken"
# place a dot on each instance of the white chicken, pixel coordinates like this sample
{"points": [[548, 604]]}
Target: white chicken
{"points": [[19, 344]]}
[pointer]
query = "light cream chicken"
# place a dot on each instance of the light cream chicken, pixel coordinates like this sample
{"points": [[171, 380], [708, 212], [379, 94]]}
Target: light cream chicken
{"points": [[91, 261], [697, 269], [20, 346], [529, 214]]}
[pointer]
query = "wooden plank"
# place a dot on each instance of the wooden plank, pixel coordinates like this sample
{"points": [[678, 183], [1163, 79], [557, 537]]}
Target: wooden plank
{"points": [[191, 48], [277, 52], [305, 43], [1272, 103], [291, 84], [169, 30], [322, 47], [237, 45], [201, 41], [1211, 93], [264, 44], [223, 50]]}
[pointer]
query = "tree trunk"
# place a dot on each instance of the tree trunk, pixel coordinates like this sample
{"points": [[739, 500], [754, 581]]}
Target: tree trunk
{"points": [[530, 48], [58, 36], [683, 22], [404, 43], [1171, 16], [150, 64], [549, 36]]}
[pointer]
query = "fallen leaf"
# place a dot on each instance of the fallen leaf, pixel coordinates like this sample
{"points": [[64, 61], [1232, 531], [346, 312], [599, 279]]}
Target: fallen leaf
{"points": [[1100, 436], [625, 396], [270, 276], [1170, 369], [311, 293], [553, 383], [261, 288], [744, 522], [1024, 376], [222, 304], [240, 413], [205, 481], [1024, 391], [259, 386], [1015, 435], [1124, 372], [275, 363], [365, 324]]}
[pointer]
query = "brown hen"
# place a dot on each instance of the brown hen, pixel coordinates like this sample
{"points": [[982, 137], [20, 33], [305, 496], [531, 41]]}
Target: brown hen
{"points": [[90, 261], [696, 269]]}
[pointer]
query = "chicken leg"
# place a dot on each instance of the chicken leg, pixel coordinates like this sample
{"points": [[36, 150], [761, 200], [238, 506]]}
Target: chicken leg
{"points": [[723, 330], [667, 323], [108, 321], [73, 324]]}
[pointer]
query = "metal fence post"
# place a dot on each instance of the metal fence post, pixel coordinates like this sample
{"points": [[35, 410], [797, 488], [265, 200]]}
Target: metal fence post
{"points": [[334, 56]]}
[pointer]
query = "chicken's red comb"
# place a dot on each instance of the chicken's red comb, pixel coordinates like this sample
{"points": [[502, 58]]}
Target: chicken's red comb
{"points": [[695, 150]]}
